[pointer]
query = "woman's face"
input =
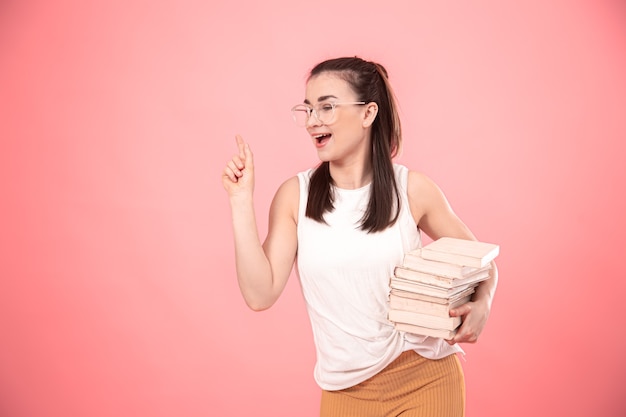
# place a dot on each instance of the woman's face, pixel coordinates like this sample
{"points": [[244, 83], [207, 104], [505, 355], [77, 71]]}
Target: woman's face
{"points": [[343, 134]]}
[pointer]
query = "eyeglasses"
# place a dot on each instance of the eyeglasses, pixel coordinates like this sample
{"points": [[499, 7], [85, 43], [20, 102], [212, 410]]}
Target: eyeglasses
{"points": [[325, 112]]}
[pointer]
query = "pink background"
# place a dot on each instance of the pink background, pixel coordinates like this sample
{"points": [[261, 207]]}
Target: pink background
{"points": [[117, 288]]}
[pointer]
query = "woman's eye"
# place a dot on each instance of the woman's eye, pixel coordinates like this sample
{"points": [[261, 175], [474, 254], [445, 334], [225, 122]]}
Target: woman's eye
{"points": [[326, 107]]}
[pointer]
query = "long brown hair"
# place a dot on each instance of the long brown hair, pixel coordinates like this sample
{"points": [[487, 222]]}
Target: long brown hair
{"points": [[370, 82]]}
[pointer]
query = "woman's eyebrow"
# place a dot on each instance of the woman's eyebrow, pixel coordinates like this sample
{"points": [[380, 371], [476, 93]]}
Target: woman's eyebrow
{"points": [[321, 98]]}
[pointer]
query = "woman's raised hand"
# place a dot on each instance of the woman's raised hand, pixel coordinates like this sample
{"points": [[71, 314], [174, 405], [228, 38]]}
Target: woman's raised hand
{"points": [[238, 175]]}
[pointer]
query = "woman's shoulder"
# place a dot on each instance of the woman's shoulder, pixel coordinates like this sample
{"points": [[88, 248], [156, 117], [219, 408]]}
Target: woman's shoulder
{"points": [[286, 199], [423, 194], [420, 185], [418, 177], [411, 181], [411, 174], [414, 178], [290, 187]]}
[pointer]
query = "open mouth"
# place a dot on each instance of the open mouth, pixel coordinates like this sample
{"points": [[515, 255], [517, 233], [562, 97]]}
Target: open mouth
{"points": [[322, 138]]}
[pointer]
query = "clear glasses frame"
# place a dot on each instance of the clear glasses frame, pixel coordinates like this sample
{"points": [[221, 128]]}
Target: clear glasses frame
{"points": [[324, 113]]}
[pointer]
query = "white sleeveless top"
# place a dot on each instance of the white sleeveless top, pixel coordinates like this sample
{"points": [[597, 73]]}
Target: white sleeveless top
{"points": [[344, 273]]}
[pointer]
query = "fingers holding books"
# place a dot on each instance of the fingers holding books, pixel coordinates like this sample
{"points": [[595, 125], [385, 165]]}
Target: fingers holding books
{"points": [[462, 310], [474, 316]]}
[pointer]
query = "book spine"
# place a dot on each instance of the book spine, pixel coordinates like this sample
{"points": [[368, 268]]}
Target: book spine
{"points": [[425, 331], [425, 320], [400, 303], [423, 277], [440, 269], [426, 289], [455, 259]]}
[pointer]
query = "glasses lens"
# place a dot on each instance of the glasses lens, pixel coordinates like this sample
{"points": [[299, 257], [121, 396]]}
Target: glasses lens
{"points": [[300, 114], [326, 112]]}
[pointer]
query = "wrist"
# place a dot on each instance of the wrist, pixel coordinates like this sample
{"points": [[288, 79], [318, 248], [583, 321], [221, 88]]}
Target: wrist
{"points": [[241, 196]]}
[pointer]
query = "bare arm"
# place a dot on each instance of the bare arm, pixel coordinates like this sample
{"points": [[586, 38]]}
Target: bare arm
{"points": [[435, 217], [262, 269]]}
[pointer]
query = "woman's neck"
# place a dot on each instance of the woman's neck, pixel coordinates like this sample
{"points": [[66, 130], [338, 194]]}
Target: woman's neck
{"points": [[351, 176]]}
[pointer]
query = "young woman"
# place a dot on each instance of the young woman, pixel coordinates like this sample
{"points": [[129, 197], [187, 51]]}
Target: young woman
{"points": [[348, 223]]}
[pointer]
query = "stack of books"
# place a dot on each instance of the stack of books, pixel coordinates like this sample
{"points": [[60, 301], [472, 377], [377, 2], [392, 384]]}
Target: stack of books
{"points": [[434, 279]]}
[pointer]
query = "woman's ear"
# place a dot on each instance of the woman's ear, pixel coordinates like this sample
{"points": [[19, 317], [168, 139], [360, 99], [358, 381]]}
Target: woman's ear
{"points": [[371, 110]]}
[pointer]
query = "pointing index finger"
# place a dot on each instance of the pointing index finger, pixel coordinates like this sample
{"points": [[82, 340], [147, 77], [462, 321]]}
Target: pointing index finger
{"points": [[241, 145]]}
